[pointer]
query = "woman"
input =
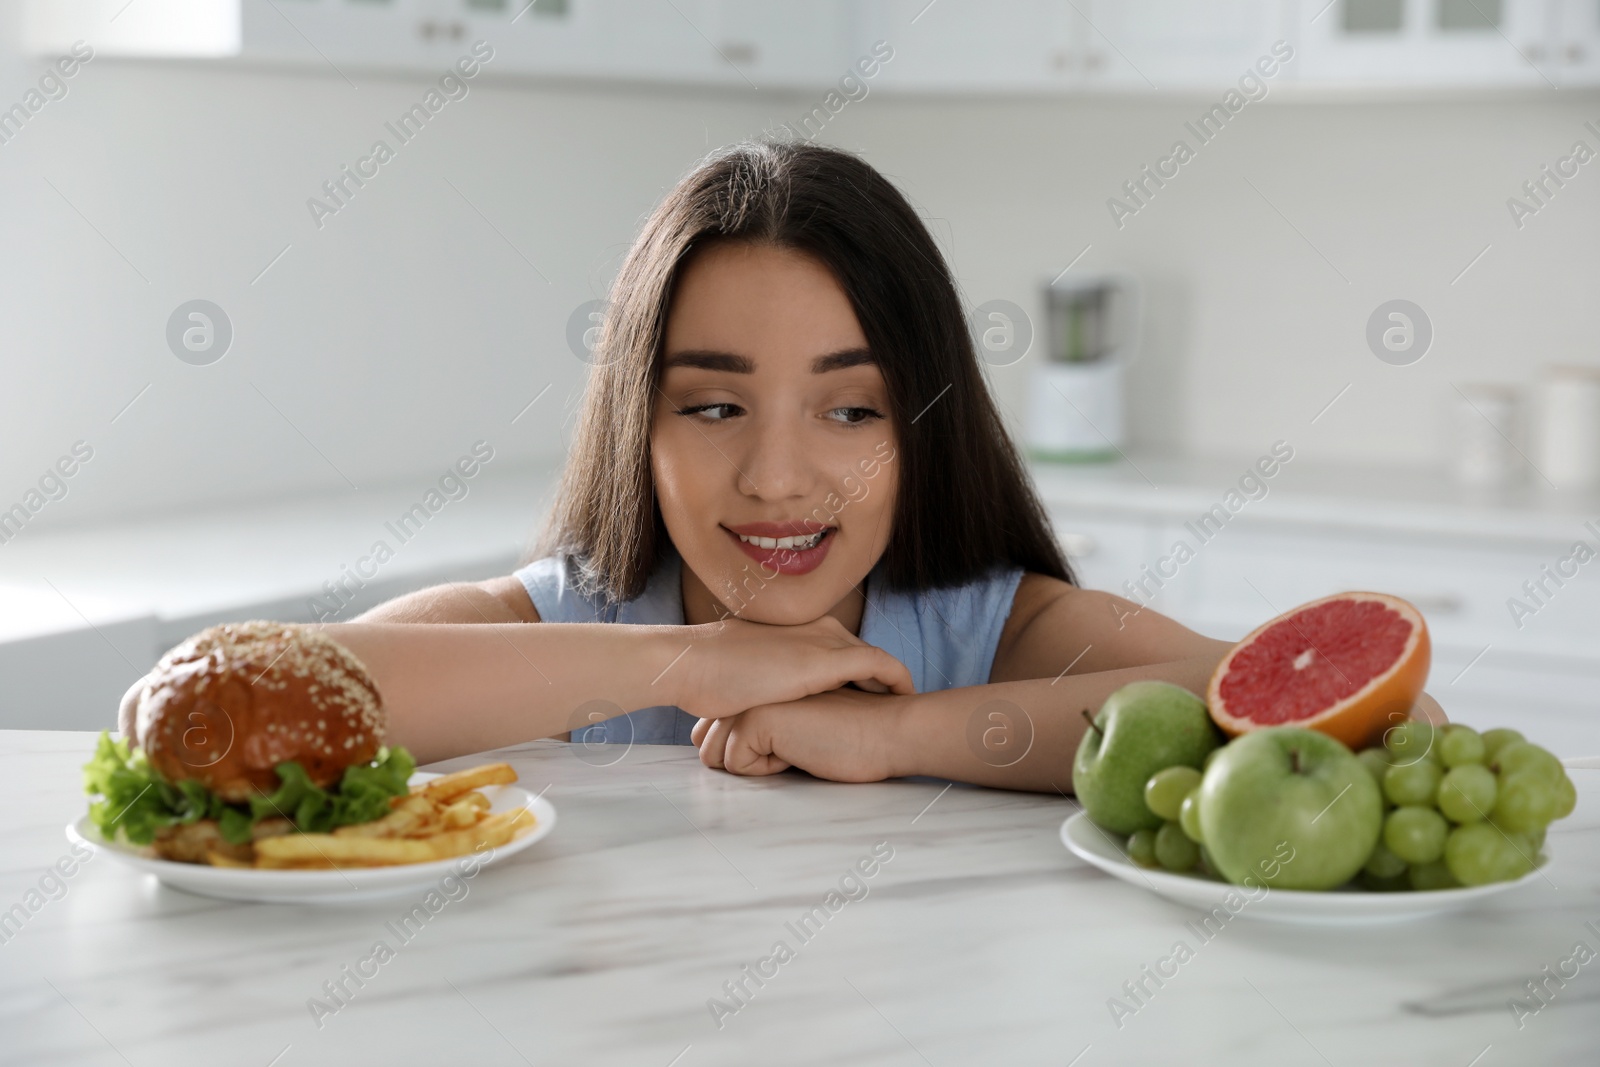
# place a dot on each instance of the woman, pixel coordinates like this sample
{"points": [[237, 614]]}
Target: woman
{"points": [[791, 530]]}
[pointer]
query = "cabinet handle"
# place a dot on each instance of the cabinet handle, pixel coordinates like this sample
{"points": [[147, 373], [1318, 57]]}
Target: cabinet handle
{"points": [[1437, 603], [1079, 546]]}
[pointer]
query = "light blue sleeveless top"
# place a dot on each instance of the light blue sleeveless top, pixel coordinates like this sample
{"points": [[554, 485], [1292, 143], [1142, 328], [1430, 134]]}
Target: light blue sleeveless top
{"points": [[945, 637]]}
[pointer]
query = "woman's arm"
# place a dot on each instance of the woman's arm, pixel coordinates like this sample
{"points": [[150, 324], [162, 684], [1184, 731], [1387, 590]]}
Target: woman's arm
{"points": [[450, 688], [1063, 651], [496, 600]]}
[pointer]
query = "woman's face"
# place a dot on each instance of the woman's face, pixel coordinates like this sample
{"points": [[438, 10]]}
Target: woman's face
{"points": [[773, 451]]}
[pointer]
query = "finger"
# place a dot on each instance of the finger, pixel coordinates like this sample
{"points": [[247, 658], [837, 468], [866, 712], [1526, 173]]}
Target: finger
{"points": [[127, 712], [868, 685], [713, 747], [698, 734], [749, 753], [872, 664]]}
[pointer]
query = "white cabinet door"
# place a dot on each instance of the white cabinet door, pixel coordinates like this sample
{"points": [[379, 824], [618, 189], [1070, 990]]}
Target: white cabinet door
{"points": [[1248, 575], [970, 45], [1122, 556], [735, 43], [780, 44], [336, 34], [1422, 43], [73, 680], [1179, 44], [1573, 58]]}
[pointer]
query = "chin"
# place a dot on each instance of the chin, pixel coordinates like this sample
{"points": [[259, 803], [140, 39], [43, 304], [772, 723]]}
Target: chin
{"points": [[775, 614]]}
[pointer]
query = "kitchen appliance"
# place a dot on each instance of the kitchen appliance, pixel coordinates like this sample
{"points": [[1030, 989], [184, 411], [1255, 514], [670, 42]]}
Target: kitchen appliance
{"points": [[1075, 407], [1486, 425], [1569, 438]]}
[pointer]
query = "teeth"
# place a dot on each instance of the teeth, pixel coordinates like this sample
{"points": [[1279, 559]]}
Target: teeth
{"points": [[801, 543]]}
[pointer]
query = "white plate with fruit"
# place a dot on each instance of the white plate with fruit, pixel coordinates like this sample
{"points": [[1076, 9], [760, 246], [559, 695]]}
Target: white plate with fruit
{"points": [[1329, 804]]}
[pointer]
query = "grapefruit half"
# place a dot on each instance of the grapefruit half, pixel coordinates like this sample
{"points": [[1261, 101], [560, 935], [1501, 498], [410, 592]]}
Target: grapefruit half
{"points": [[1350, 665]]}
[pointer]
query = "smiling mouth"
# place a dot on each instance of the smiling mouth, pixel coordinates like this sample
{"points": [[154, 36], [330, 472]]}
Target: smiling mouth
{"points": [[799, 543]]}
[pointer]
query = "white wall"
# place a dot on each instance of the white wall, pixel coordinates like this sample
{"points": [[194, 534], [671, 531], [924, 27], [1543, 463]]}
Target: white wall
{"points": [[407, 327], [1251, 331]]}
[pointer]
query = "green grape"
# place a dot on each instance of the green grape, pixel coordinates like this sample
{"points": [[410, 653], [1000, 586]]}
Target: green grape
{"points": [[1383, 863], [1165, 790], [1411, 783], [1410, 741], [1396, 884], [1467, 793], [1376, 761], [1521, 756], [1566, 798], [1435, 875], [1494, 739], [1142, 848], [1207, 863], [1480, 854], [1527, 801], [1189, 816], [1415, 834], [1205, 765], [1460, 746], [1174, 850]]}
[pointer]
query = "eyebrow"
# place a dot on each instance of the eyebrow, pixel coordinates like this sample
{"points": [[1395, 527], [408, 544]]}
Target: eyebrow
{"points": [[735, 364]]}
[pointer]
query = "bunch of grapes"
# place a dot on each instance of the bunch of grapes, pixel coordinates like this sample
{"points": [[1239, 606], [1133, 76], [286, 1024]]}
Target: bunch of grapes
{"points": [[1461, 808], [1174, 795]]}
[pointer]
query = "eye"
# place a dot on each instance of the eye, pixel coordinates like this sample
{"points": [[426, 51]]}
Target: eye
{"points": [[725, 411], [856, 416]]}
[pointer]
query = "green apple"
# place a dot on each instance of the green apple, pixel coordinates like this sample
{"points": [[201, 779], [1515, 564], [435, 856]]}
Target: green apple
{"points": [[1289, 808], [1142, 728]]}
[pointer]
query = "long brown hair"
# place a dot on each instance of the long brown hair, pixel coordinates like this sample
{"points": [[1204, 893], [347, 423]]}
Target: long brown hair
{"points": [[964, 503]]}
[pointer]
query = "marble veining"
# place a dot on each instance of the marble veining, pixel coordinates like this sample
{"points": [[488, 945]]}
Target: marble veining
{"points": [[981, 942]]}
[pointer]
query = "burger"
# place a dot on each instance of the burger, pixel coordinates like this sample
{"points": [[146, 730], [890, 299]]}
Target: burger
{"points": [[247, 730]]}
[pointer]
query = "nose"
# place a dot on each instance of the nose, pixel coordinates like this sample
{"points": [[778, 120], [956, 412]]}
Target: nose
{"points": [[773, 464]]}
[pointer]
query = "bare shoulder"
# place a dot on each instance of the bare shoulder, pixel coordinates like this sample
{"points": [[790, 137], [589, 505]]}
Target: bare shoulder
{"points": [[1037, 595]]}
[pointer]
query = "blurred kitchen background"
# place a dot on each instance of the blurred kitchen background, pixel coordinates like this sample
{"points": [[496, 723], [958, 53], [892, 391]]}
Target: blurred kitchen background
{"points": [[1374, 255]]}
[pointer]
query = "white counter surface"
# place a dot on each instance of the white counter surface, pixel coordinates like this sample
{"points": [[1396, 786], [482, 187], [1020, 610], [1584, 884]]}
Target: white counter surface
{"points": [[1396, 499], [981, 942]]}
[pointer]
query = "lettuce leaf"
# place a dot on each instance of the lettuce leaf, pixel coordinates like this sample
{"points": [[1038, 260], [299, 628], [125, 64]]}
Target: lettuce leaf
{"points": [[136, 802]]}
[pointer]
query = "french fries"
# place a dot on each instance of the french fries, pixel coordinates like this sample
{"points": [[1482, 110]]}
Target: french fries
{"points": [[353, 850], [440, 819], [450, 786]]}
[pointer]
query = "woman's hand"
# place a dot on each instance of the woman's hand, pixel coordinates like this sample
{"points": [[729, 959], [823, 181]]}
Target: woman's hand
{"points": [[127, 724], [733, 665], [1428, 709], [844, 735]]}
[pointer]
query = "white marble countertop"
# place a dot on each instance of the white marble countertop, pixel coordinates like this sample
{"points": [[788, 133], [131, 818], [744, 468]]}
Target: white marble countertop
{"points": [[981, 942], [1397, 499]]}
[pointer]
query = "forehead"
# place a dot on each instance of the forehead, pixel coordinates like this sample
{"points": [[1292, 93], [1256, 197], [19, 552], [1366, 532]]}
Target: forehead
{"points": [[760, 301]]}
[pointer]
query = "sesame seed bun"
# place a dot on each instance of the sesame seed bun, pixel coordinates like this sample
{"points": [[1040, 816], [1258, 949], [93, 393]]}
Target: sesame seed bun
{"points": [[225, 707]]}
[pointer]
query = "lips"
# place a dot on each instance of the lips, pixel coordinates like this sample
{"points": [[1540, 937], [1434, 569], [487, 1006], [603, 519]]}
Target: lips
{"points": [[784, 560], [796, 528]]}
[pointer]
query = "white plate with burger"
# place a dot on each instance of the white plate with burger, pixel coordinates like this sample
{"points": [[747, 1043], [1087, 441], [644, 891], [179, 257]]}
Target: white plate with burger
{"points": [[312, 886], [1224, 901], [262, 776]]}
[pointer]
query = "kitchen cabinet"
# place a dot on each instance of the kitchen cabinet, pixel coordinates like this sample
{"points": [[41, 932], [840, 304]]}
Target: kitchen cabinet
{"points": [[1426, 44], [1165, 45], [942, 46], [734, 43], [958, 46], [1570, 52]]}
